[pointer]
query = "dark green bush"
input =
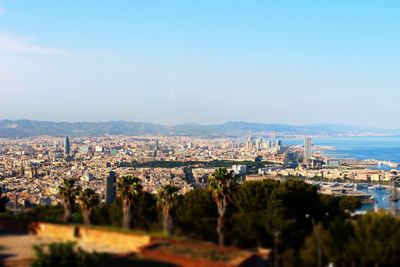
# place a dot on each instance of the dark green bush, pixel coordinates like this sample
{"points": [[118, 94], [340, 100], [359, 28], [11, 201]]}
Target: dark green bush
{"points": [[66, 255]]}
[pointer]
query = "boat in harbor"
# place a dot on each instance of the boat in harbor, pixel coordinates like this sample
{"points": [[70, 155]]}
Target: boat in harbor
{"points": [[351, 190], [368, 200], [341, 191], [335, 184], [388, 163], [376, 187], [361, 186], [348, 185]]}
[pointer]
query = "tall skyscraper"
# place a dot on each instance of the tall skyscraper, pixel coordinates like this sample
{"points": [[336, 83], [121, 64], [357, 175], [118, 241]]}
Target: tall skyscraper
{"points": [[67, 147], [258, 144], [110, 184], [249, 143], [307, 149], [268, 145]]}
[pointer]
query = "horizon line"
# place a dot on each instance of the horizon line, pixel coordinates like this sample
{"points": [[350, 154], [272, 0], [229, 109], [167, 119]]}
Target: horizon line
{"points": [[210, 124]]}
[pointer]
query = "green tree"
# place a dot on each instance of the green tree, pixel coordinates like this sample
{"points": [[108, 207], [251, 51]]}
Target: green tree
{"points": [[376, 240], [313, 253], [145, 213], [347, 203], [251, 214], [336, 246], [288, 206], [3, 201], [45, 213], [88, 199], [369, 240], [108, 214], [220, 185], [129, 188], [197, 204], [68, 193], [166, 199]]}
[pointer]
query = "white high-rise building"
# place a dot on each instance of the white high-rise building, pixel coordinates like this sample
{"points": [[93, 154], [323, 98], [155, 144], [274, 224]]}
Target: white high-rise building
{"points": [[239, 169], [259, 144], [307, 149], [268, 145]]}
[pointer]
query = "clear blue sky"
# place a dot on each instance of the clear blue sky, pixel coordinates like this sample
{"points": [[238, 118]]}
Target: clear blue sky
{"points": [[295, 62]]}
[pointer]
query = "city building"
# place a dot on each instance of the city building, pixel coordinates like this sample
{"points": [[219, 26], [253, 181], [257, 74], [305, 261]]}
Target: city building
{"points": [[332, 163], [307, 150], [67, 147], [259, 144], [239, 169], [110, 187], [87, 177], [290, 159], [267, 145]]}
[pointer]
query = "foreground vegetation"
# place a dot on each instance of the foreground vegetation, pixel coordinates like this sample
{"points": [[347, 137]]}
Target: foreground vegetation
{"points": [[67, 255], [303, 227]]}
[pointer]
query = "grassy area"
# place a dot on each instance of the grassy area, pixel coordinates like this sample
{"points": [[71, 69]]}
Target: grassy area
{"points": [[137, 262], [197, 252], [67, 254]]}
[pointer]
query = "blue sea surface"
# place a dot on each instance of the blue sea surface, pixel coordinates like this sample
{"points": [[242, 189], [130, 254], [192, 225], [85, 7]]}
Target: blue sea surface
{"points": [[379, 148], [385, 148], [383, 200]]}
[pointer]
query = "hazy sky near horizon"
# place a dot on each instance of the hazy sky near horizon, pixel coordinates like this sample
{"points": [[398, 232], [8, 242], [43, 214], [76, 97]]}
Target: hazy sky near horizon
{"points": [[169, 62]]}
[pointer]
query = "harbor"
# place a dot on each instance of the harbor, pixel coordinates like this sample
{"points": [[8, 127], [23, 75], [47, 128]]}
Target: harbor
{"points": [[361, 191], [374, 197]]}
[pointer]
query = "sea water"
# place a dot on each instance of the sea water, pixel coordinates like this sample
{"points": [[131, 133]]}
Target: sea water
{"points": [[384, 148], [382, 198]]}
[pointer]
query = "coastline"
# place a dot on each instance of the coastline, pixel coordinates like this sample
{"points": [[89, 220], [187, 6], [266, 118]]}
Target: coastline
{"points": [[372, 152]]}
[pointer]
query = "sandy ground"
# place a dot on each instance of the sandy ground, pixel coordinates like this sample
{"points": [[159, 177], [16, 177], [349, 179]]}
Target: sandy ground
{"points": [[19, 248]]}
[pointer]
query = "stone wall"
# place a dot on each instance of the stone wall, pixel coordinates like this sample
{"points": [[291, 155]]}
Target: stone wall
{"points": [[120, 241], [124, 242], [57, 231], [116, 240]]}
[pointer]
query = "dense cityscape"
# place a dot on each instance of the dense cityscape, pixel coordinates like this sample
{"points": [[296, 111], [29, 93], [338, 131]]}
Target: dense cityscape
{"points": [[31, 169], [39, 174], [199, 133]]}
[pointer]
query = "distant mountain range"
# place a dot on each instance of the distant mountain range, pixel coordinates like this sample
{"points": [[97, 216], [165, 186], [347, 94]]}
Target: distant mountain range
{"points": [[29, 128]]}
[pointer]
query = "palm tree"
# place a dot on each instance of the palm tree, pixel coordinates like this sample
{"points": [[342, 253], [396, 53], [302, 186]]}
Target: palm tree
{"points": [[166, 199], [88, 200], [220, 185], [128, 189], [68, 192]]}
